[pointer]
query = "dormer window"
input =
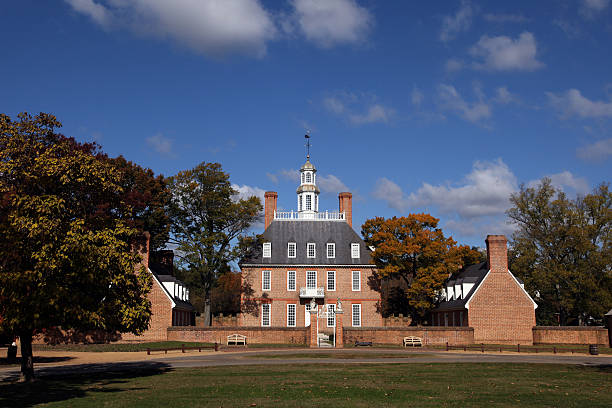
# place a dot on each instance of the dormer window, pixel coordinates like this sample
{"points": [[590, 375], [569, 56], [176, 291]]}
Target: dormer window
{"points": [[310, 250], [291, 250], [355, 250], [267, 249], [331, 250]]}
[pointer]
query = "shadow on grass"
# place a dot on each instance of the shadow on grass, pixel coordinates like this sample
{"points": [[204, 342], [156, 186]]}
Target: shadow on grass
{"points": [[64, 383]]}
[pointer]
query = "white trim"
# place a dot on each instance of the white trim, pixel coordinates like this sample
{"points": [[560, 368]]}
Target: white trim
{"points": [[358, 251], [352, 281], [269, 314], [333, 247], [163, 288], [353, 313], [331, 306], [467, 304], [327, 281], [294, 249], [294, 281], [269, 281], [294, 314], [315, 279], [267, 250], [314, 246]]}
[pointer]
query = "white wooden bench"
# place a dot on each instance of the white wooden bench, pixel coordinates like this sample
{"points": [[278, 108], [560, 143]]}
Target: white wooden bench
{"points": [[413, 341], [236, 339]]}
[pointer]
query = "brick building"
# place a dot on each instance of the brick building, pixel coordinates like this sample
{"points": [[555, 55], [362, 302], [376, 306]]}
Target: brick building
{"points": [[306, 255], [489, 298], [169, 296]]}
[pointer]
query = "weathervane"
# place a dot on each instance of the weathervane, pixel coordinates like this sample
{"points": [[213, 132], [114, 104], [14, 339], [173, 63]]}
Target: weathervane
{"points": [[307, 136]]}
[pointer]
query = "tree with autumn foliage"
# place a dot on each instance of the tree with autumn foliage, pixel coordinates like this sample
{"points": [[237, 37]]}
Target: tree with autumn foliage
{"points": [[414, 250], [66, 254]]}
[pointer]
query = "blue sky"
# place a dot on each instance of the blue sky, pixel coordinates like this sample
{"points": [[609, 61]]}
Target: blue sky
{"points": [[444, 107]]}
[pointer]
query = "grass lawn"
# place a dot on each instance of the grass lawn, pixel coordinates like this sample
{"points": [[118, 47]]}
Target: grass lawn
{"points": [[342, 355], [337, 385]]}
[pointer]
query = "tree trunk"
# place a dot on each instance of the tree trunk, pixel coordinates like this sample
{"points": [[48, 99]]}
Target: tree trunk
{"points": [[27, 360], [207, 313]]}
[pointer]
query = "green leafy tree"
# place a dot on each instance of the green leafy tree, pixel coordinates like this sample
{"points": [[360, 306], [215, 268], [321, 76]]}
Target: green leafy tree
{"points": [[414, 251], [147, 196], [562, 250], [66, 254], [207, 220]]}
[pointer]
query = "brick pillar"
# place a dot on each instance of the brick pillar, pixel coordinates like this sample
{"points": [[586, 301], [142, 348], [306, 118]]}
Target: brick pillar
{"points": [[497, 253], [314, 329], [339, 329], [141, 246], [270, 206], [346, 206]]}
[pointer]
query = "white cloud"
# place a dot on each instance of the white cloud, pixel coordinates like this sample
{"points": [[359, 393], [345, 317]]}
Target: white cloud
{"points": [[284, 174], [390, 192], [453, 65], [598, 151], [359, 109], [243, 192], [451, 100], [332, 22], [416, 97], [461, 21], [484, 191], [375, 113], [590, 8], [572, 103], [161, 145], [506, 54], [565, 181], [505, 18], [504, 96], [210, 27], [331, 184]]}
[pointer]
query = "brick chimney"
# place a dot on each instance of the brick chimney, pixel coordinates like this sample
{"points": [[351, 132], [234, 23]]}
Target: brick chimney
{"points": [[270, 206], [497, 253], [346, 206]]}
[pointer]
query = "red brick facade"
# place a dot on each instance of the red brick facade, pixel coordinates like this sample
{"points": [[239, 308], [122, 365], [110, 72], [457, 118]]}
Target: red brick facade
{"points": [[279, 297], [254, 335], [459, 336], [161, 317], [570, 335], [500, 311]]}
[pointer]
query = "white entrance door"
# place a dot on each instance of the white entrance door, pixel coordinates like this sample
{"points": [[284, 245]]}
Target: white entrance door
{"points": [[307, 315]]}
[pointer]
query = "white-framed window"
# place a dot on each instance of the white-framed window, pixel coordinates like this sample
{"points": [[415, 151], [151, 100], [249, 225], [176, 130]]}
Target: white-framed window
{"points": [[266, 280], [307, 315], [354, 250], [316, 207], [300, 203], [291, 315], [308, 177], [265, 315], [311, 251], [291, 250], [267, 249], [331, 315], [356, 315], [302, 178], [331, 280], [290, 280], [311, 279], [331, 250], [308, 202], [356, 279]]}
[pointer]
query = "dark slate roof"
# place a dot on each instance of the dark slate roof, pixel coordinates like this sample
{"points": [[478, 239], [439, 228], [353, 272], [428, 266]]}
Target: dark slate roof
{"points": [[279, 233], [470, 274]]}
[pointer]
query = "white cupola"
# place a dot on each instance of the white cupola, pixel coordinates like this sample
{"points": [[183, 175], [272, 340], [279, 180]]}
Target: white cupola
{"points": [[308, 192]]}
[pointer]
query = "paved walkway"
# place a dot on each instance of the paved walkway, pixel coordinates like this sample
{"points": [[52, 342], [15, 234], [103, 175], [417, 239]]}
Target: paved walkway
{"points": [[83, 363]]}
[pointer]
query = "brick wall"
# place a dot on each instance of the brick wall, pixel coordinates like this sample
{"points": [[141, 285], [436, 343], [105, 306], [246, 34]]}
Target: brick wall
{"points": [[255, 335], [500, 311], [279, 296], [395, 335], [221, 321], [161, 317], [570, 335]]}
